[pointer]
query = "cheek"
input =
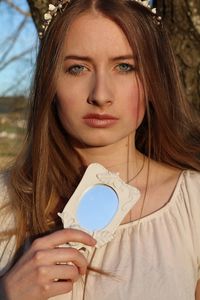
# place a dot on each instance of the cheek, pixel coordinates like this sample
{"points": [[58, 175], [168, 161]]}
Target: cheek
{"points": [[67, 101], [135, 107], [65, 108]]}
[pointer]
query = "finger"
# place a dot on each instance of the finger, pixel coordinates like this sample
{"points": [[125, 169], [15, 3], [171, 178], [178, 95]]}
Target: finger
{"points": [[58, 288], [54, 240], [63, 236], [60, 256], [60, 272]]}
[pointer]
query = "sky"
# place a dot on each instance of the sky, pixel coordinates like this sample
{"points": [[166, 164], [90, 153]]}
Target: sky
{"points": [[19, 73]]}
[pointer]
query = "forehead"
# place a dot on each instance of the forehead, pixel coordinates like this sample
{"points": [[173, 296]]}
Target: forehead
{"points": [[93, 33]]}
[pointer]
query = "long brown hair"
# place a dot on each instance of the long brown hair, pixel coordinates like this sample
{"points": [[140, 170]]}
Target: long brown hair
{"points": [[48, 169]]}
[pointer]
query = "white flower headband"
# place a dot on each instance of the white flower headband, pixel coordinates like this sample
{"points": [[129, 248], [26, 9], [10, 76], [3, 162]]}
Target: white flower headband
{"points": [[62, 4]]}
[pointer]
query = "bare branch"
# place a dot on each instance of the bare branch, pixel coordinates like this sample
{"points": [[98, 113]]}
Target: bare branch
{"points": [[18, 9], [13, 88], [12, 39], [14, 58]]}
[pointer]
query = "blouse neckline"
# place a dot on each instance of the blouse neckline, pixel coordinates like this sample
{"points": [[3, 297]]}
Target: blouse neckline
{"points": [[161, 210]]}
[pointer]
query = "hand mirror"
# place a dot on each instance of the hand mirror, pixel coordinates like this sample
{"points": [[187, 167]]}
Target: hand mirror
{"points": [[99, 204]]}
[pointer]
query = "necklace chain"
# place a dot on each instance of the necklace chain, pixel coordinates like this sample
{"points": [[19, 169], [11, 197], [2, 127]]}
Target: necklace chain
{"points": [[139, 171], [129, 180]]}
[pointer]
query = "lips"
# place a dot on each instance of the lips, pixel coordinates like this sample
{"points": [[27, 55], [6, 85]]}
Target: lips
{"points": [[100, 120], [100, 117]]}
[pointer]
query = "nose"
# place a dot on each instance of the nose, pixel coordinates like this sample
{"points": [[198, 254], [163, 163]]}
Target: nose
{"points": [[101, 93]]}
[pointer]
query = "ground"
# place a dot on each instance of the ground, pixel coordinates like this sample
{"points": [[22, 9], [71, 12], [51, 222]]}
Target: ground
{"points": [[12, 129]]}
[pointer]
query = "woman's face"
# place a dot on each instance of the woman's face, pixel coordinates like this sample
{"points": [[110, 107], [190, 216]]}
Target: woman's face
{"points": [[100, 98]]}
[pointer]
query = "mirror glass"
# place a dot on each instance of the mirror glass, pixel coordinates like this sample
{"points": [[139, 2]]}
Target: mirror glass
{"points": [[97, 207]]}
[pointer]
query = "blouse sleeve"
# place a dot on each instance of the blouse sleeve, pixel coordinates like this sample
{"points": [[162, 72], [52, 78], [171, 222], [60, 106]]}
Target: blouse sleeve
{"points": [[193, 194], [7, 245]]}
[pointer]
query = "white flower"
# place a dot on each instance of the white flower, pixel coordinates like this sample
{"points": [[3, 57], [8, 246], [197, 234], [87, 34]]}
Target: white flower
{"points": [[47, 16], [52, 7], [154, 10], [145, 3]]}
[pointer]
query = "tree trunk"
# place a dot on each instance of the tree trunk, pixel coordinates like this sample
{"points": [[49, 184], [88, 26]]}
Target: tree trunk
{"points": [[182, 18]]}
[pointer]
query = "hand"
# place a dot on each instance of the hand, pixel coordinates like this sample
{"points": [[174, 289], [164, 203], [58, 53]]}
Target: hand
{"points": [[34, 276]]}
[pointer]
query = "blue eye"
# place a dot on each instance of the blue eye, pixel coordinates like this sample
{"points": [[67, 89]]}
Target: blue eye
{"points": [[125, 68], [75, 70]]}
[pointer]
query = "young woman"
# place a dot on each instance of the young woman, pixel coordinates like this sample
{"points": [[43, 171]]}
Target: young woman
{"points": [[106, 90]]}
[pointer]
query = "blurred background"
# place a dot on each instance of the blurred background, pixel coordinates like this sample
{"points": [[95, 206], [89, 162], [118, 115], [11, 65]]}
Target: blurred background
{"points": [[20, 20]]}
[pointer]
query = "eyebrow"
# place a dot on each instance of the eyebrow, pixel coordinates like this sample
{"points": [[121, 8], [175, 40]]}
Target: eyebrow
{"points": [[89, 59]]}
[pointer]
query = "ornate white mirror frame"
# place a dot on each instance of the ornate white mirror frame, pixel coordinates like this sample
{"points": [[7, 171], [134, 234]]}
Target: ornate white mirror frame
{"points": [[95, 175]]}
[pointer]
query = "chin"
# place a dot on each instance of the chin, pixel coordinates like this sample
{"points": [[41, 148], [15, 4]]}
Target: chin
{"points": [[100, 141], [92, 144], [98, 145]]}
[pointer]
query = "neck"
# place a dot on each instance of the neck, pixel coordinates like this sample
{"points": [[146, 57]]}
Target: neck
{"points": [[121, 157]]}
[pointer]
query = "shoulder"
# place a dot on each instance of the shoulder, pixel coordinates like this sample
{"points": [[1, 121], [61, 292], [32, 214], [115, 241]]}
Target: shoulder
{"points": [[189, 196], [167, 175], [192, 177], [173, 183], [4, 197], [188, 190], [191, 183], [7, 223], [4, 188]]}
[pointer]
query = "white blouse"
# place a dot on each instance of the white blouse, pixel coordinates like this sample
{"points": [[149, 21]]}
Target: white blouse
{"points": [[157, 258]]}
